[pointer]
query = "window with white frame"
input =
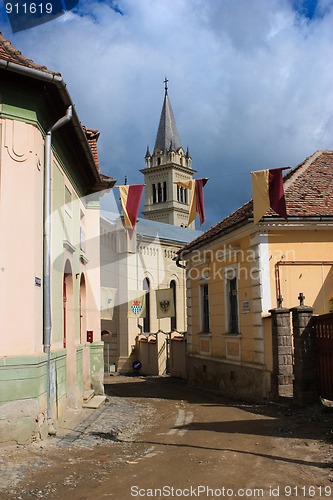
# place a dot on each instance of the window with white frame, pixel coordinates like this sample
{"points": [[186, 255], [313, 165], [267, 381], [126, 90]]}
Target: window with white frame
{"points": [[204, 308], [68, 199], [231, 300], [68, 215], [82, 239]]}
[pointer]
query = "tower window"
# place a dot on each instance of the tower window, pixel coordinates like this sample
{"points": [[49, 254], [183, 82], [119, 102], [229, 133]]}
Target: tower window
{"points": [[159, 193], [181, 194]]}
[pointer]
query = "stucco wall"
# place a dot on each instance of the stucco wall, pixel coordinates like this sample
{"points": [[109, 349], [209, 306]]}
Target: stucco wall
{"points": [[314, 281], [210, 267], [23, 395], [21, 226], [22, 362]]}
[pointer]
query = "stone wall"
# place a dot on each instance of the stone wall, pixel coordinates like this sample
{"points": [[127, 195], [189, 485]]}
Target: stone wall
{"points": [[235, 380]]}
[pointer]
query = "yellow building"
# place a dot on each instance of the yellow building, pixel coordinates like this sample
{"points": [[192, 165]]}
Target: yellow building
{"points": [[238, 271]]}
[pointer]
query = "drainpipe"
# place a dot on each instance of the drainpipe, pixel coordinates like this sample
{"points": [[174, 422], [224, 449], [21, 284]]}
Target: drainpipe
{"points": [[178, 264], [47, 325]]}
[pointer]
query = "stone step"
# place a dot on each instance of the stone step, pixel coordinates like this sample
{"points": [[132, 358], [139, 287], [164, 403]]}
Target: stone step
{"points": [[95, 402], [88, 395]]}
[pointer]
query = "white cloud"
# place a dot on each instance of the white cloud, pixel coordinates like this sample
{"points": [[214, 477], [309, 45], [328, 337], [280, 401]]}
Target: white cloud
{"points": [[250, 83]]}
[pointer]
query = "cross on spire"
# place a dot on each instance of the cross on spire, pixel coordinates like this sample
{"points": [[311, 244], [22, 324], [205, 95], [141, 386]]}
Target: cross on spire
{"points": [[166, 85]]}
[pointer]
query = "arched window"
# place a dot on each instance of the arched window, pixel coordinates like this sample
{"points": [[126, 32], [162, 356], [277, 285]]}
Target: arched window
{"points": [[173, 324], [164, 191], [154, 193], [146, 319]]}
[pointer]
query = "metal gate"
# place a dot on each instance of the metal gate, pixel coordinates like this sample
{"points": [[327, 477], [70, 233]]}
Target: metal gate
{"points": [[323, 336]]}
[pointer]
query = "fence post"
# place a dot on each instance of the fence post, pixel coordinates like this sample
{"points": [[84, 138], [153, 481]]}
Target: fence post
{"points": [[282, 376], [305, 390]]}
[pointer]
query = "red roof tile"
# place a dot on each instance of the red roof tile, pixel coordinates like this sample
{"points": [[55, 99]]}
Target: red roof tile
{"points": [[309, 187], [308, 192], [92, 138], [10, 54]]}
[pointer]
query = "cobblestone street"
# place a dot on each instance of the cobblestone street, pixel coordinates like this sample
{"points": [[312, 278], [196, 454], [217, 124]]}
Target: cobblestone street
{"points": [[119, 420]]}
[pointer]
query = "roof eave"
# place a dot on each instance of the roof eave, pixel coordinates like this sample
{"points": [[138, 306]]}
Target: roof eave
{"points": [[187, 249], [57, 80], [104, 184], [297, 218]]}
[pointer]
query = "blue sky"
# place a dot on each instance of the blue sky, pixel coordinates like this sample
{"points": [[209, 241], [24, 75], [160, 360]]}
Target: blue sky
{"points": [[250, 82]]}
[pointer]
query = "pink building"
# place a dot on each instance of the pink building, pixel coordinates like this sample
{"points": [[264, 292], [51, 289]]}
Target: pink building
{"points": [[50, 184]]}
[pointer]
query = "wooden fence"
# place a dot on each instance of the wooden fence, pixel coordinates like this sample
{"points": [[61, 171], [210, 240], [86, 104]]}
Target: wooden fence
{"points": [[323, 336]]}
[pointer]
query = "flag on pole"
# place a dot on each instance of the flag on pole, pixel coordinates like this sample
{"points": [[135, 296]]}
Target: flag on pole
{"points": [[165, 306], [197, 206], [268, 192], [130, 198], [108, 296], [136, 304]]}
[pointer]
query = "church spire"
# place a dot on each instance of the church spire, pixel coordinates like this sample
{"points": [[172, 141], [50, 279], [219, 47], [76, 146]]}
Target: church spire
{"points": [[166, 201], [167, 134]]}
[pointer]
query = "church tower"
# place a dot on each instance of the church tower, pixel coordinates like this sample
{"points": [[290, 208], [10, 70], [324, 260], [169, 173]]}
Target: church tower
{"points": [[165, 201]]}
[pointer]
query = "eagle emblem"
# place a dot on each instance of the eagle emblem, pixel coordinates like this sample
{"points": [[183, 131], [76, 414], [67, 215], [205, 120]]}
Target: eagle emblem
{"points": [[165, 305]]}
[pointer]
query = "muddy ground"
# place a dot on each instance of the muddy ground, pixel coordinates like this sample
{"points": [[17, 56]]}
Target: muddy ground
{"points": [[158, 438]]}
